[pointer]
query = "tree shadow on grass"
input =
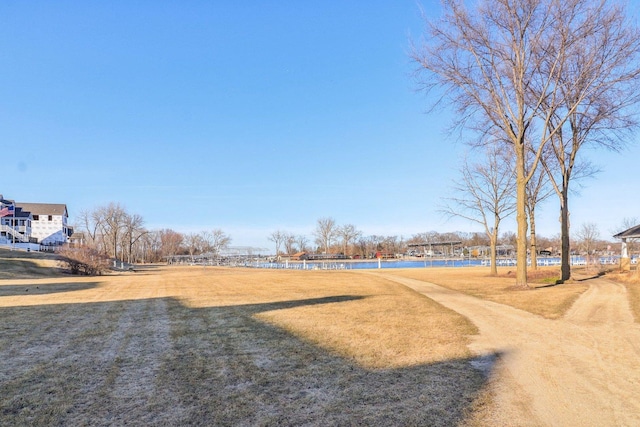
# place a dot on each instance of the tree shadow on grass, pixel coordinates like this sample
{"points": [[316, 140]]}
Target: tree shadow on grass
{"points": [[12, 268], [46, 288], [159, 362]]}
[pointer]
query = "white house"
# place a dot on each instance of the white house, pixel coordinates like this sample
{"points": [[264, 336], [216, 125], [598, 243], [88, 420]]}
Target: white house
{"points": [[48, 222], [15, 223]]}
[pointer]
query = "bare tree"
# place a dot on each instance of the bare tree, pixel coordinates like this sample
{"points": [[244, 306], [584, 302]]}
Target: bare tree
{"points": [[538, 190], [348, 233], [151, 247], [485, 195], [206, 239], [89, 226], [301, 241], [277, 237], [110, 221], [112, 231], [325, 233], [505, 67], [486, 62], [289, 241], [134, 230], [393, 244], [587, 236], [219, 241], [375, 243], [597, 79], [170, 242], [193, 243]]}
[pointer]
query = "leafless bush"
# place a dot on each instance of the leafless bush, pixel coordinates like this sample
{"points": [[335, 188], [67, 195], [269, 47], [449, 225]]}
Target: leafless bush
{"points": [[84, 260]]}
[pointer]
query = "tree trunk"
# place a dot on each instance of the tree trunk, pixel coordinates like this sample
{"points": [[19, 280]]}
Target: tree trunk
{"points": [[534, 248], [565, 265], [521, 217], [494, 257]]}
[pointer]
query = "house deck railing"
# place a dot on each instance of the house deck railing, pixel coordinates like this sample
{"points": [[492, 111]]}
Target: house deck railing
{"points": [[15, 234]]}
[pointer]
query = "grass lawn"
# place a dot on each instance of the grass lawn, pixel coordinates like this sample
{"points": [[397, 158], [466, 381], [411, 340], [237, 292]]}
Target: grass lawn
{"points": [[221, 346], [214, 346]]}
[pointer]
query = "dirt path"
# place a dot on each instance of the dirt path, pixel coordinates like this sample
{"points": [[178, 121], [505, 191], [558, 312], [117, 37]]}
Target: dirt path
{"points": [[581, 370]]}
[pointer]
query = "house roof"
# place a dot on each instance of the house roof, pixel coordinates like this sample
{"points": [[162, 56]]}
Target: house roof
{"points": [[630, 233], [20, 213], [44, 208]]}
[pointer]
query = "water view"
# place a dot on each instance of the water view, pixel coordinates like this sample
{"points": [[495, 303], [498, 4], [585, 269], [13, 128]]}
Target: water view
{"points": [[425, 263]]}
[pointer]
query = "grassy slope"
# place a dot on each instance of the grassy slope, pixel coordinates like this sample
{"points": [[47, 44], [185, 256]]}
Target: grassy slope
{"points": [[25, 265]]}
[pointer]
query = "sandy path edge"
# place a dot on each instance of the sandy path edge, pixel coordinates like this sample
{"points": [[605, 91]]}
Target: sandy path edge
{"points": [[583, 369]]}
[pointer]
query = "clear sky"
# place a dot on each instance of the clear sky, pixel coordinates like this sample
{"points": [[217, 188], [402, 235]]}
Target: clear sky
{"points": [[245, 116]]}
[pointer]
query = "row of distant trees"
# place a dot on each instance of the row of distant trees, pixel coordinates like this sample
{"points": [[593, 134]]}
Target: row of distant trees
{"points": [[331, 237], [113, 232]]}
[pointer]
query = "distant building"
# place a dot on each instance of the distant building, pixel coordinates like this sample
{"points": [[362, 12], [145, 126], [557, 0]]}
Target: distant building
{"points": [[298, 256], [15, 223], [627, 236], [48, 222]]}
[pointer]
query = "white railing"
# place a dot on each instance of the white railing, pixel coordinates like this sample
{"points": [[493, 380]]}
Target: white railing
{"points": [[15, 234]]}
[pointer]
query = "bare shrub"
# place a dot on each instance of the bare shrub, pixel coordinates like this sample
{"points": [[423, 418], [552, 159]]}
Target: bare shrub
{"points": [[84, 260]]}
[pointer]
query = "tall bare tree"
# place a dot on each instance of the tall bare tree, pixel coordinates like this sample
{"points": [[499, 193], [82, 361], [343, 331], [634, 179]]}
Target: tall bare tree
{"points": [[301, 241], [504, 66], [486, 62], [151, 247], [289, 242], [538, 190], [587, 236], [485, 195], [348, 233], [277, 237], [193, 243], [597, 89], [110, 222], [88, 224], [170, 242], [219, 240], [133, 231], [325, 233]]}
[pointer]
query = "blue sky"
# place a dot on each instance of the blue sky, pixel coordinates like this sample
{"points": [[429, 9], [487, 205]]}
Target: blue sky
{"points": [[245, 116]]}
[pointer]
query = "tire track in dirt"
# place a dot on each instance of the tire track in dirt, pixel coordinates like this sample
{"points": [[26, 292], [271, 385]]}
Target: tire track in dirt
{"points": [[583, 369]]}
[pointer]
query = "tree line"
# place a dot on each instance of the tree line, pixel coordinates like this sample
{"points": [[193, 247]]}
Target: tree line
{"points": [[533, 82], [329, 237], [112, 232]]}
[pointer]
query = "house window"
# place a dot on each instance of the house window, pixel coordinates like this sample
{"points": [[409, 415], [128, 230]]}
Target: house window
{"points": [[36, 217], [50, 217]]}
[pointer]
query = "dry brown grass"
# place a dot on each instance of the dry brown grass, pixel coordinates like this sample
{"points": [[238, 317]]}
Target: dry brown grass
{"points": [[383, 325], [631, 279], [20, 264], [544, 298], [215, 346], [194, 346]]}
